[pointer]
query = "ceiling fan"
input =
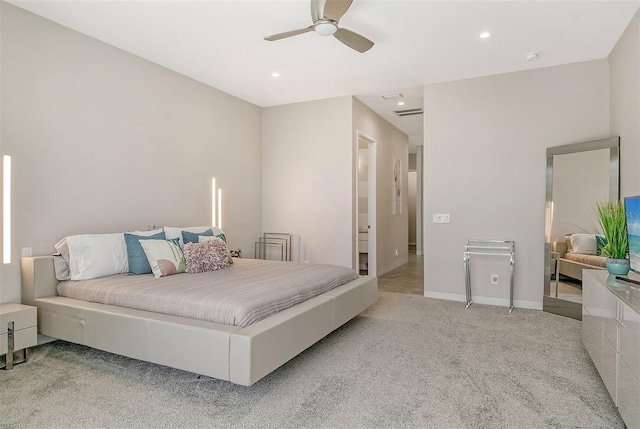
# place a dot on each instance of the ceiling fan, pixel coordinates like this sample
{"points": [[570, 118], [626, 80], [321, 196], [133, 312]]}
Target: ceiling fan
{"points": [[325, 22]]}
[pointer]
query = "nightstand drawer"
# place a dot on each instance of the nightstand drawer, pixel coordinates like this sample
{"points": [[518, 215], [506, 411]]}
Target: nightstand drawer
{"points": [[22, 339], [25, 338], [22, 316]]}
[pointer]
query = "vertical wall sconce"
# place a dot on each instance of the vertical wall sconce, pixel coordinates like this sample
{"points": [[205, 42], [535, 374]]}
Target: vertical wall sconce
{"points": [[216, 196], [220, 208], [6, 209], [213, 201]]}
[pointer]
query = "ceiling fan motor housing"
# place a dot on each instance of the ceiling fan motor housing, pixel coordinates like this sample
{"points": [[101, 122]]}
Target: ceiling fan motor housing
{"points": [[325, 27]]}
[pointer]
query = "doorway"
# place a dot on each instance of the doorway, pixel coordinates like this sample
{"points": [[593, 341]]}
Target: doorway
{"points": [[366, 205]]}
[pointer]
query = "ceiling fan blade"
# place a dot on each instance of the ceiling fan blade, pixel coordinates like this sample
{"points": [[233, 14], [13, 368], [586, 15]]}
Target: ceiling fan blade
{"points": [[334, 9], [353, 40], [288, 34], [316, 10]]}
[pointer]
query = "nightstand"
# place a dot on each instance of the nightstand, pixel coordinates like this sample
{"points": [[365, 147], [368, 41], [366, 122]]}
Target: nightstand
{"points": [[18, 331]]}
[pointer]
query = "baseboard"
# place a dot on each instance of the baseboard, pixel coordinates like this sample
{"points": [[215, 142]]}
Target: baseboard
{"points": [[43, 339], [500, 302]]}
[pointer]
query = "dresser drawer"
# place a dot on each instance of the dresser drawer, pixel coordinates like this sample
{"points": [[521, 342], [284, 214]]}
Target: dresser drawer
{"points": [[628, 397], [630, 340]]}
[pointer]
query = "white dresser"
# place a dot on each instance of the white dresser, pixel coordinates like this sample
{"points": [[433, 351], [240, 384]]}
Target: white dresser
{"points": [[611, 335]]}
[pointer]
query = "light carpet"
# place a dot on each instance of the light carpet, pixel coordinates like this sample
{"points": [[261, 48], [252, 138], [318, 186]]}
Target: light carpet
{"points": [[407, 362]]}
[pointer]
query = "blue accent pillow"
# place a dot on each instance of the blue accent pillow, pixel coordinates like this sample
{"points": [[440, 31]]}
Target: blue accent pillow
{"points": [[192, 237], [138, 262], [601, 241]]}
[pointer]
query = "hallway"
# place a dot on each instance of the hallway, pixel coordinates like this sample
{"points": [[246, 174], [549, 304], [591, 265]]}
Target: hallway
{"points": [[407, 278]]}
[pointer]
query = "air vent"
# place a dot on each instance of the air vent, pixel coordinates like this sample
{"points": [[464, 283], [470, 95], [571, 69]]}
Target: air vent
{"points": [[392, 96], [408, 112]]}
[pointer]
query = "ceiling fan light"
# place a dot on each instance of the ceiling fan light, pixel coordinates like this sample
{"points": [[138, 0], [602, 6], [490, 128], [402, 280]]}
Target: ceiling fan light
{"points": [[326, 28]]}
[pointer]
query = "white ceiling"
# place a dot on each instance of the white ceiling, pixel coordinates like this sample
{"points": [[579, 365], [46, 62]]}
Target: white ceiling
{"points": [[417, 42]]}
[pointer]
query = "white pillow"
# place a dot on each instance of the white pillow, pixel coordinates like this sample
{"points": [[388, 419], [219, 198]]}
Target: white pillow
{"points": [[176, 232], [146, 233], [61, 263], [97, 255], [62, 268], [583, 243], [165, 257]]}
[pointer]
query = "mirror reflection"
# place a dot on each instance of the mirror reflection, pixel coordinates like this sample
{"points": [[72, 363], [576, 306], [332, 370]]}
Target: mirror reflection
{"points": [[578, 176], [580, 180]]}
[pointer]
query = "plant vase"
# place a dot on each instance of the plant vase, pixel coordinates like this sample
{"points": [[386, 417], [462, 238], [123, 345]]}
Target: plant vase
{"points": [[619, 267]]}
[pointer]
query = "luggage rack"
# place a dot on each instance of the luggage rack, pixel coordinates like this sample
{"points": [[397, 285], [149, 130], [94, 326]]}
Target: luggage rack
{"points": [[277, 242], [489, 248]]}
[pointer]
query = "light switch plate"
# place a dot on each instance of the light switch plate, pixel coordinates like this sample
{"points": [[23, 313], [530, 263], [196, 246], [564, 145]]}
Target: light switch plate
{"points": [[441, 218]]}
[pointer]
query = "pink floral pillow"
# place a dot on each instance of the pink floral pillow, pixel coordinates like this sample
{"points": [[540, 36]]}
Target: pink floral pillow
{"points": [[206, 256]]}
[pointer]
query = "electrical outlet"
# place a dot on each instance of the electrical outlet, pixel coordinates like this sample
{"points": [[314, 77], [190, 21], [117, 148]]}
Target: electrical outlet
{"points": [[27, 251], [397, 254], [494, 279]]}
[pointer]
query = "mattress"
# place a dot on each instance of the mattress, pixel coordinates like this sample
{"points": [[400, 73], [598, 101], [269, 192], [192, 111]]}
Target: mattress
{"points": [[593, 260], [248, 291]]}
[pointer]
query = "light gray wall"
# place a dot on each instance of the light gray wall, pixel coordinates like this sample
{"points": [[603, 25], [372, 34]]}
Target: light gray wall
{"points": [[391, 230], [309, 179], [307, 183], [103, 141], [624, 63], [485, 142]]}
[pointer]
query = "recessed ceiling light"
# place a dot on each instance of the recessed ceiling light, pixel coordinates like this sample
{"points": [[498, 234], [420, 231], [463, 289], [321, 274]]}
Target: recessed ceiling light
{"points": [[400, 103], [275, 74], [484, 35]]}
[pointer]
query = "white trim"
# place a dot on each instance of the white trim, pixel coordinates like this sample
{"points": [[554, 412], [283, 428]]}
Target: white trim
{"points": [[500, 302]]}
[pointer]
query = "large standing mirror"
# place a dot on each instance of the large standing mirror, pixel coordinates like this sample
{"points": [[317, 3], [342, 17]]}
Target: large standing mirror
{"points": [[578, 176]]}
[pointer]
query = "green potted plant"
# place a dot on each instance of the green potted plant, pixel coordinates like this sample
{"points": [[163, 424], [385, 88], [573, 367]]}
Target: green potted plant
{"points": [[614, 226]]}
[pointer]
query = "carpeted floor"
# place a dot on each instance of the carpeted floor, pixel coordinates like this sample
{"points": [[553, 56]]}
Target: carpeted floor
{"points": [[407, 362]]}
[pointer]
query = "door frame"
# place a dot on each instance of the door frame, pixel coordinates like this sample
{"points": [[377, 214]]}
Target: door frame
{"points": [[371, 201]]}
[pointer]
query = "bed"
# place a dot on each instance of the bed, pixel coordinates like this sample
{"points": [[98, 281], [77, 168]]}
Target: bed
{"points": [[240, 354], [578, 252]]}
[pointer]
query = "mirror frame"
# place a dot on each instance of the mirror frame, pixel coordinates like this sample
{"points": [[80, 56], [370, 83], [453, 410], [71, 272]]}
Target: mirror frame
{"points": [[558, 305]]}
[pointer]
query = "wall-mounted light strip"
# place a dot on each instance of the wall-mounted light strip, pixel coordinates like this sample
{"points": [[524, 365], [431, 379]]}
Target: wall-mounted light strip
{"points": [[220, 208], [6, 209], [216, 195], [213, 201]]}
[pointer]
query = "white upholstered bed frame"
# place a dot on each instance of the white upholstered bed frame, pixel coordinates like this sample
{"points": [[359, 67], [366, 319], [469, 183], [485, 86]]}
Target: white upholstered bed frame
{"points": [[239, 355]]}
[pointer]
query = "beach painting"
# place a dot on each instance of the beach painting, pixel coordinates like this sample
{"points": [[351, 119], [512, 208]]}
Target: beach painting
{"points": [[632, 210]]}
